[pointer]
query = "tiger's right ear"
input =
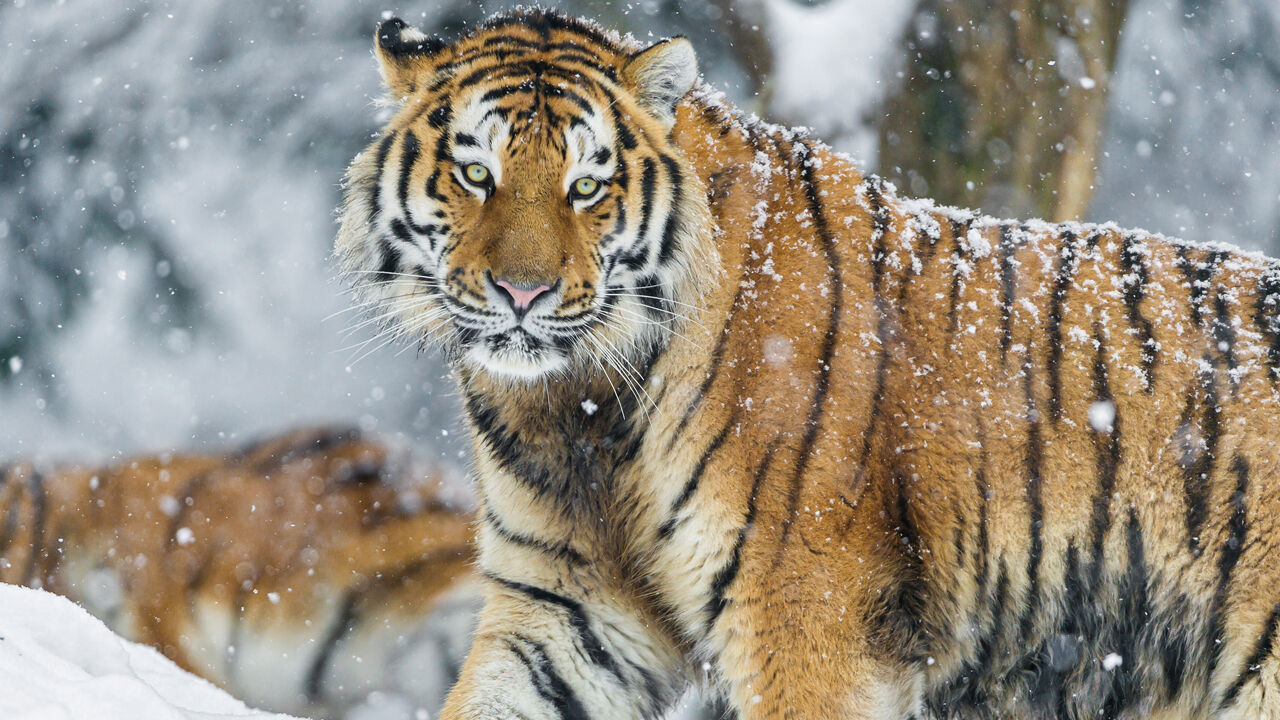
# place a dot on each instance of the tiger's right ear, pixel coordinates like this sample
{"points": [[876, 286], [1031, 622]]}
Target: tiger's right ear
{"points": [[406, 56]]}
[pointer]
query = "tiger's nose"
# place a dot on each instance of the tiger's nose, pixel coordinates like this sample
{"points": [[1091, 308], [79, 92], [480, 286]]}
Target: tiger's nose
{"points": [[521, 295]]}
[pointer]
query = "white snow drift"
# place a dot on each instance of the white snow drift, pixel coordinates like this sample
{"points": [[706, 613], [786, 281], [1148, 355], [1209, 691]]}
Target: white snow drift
{"points": [[59, 663]]}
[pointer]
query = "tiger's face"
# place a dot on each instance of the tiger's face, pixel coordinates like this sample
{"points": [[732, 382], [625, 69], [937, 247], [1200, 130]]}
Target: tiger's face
{"points": [[526, 206]]}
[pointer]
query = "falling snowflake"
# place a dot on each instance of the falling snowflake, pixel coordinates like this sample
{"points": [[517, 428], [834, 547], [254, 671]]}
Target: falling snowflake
{"points": [[1102, 416]]}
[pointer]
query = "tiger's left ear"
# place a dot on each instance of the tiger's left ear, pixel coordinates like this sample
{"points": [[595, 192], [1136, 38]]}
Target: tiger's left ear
{"points": [[406, 56], [661, 74]]}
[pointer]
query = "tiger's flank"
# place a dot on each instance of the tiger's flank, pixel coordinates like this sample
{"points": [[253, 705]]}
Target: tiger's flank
{"points": [[745, 415]]}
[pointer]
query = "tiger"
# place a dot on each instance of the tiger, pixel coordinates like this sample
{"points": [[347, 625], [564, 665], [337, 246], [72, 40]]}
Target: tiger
{"points": [[745, 416], [301, 572]]}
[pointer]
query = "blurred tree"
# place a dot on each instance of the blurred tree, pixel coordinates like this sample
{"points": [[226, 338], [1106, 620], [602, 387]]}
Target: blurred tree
{"points": [[1002, 104]]}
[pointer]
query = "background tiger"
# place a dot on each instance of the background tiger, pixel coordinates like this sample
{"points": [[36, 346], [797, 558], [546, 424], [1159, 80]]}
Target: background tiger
{"points": [[301, 573], [740, 410]]}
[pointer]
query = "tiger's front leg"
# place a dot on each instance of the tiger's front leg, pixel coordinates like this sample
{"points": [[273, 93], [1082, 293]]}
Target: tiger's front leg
{"points": [[559, 645]]}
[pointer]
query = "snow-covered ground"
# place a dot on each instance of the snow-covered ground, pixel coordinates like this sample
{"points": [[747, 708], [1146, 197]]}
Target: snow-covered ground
{"points": [[57, 662]]}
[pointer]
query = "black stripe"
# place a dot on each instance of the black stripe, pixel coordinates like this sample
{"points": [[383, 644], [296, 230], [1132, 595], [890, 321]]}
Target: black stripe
{"points": [[1266, 316], [370, 593], [578, 621], [621, 131], [1108, 449], [439, 154], [1261, 652], [1134, 621], [982, 565], [637, 256], [39, 512], [379, 165], [343, 623], [439, 117], [814, 421], [1224, 335], [991, 641], [409, 150], [1068, 262], [554, 90], [505, 91], [691, 485], [1196, 461], [1135, 279], [667, 249], [1035, 504], [1008, 288], [717, 356], [884, 324], [1198, 275], [300, 446], [509, 450], [547, 681], [724, 578], [958, 233], [526, 66], [561, 550], [1237, 532], [653, 299], [186, 499]]}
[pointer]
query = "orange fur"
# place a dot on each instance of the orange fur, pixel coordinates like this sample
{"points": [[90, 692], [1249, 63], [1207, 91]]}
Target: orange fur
{"points": [[856, 458], [241, 568]]}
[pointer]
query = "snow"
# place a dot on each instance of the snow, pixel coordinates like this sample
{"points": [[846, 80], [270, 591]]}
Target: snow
{"points": [[833, 63], [59, 663], [1111, 662], [1102, 416]]}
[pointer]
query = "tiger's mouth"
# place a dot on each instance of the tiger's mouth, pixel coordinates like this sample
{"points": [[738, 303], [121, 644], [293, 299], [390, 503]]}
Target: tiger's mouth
{"points": [[517, 353]]}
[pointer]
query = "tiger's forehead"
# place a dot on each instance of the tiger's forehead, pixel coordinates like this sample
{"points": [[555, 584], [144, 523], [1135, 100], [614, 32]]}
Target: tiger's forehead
{"points": [[532, 88], [546, 37], [534, 53]]}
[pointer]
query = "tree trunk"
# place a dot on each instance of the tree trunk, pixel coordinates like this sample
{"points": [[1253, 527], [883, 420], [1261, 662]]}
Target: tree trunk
{"points": [[1003, 110]]}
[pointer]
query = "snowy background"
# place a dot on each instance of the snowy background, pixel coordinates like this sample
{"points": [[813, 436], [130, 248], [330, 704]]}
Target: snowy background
{"points": [[168, 172]]}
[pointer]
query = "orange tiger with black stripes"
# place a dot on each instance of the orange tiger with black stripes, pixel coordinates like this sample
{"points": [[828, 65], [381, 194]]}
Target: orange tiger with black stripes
{"points": [[742, 412], [301, 572]]}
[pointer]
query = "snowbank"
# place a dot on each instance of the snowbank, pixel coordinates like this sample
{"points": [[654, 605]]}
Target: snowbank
{"points": [[59, 663]]}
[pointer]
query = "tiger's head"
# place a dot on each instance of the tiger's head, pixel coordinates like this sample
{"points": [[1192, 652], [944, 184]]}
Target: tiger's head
{"points": [[527, 209]]}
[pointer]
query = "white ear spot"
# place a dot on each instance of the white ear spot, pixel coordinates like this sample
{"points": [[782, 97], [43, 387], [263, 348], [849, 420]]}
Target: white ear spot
{"points": [[661, 74]]}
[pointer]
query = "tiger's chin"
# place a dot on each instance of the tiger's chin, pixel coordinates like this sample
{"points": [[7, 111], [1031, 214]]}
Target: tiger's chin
{"points": [[516, 356]]}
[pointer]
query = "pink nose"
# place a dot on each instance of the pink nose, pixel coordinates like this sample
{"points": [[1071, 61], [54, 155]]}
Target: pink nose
{"points": [[522, 298]]}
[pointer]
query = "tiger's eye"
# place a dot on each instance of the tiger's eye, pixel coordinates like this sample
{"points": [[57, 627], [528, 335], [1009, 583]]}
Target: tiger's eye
{"points": [[585, 187], [477, 173]]}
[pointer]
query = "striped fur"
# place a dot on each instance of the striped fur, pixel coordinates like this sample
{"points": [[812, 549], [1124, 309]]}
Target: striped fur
{"points": [[865, 457], [294, 572]]}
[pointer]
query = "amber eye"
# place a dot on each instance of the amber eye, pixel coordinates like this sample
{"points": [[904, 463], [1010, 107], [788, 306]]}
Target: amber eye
{"points": [[585, 187], [477, 173]]}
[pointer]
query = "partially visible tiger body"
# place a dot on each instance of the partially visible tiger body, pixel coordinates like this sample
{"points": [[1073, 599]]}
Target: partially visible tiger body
{"points": [[301, 573], [849, 455]]}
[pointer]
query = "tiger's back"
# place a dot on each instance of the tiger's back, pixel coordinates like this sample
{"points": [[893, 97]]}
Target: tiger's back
{"points": [[1047, 451], [1076, 435]]}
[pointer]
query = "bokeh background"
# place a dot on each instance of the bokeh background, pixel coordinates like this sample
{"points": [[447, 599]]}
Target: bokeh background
{"points": [[168, 172]]}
